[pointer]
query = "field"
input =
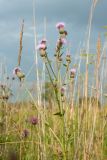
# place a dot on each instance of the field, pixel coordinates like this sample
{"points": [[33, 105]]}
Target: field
{"points": [[31, 133], [63, 115]]}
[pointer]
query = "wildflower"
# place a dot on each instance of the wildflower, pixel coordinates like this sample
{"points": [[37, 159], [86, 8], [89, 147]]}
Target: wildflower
{"points": [[34, 120], [60, 26], [17, 71], [42, 48], [60, 59], [43, 41], [62, 94], [25, 133], [62, 91], [68, 57], [73, 70], [63, 41], [72, 73], [60, 43]]}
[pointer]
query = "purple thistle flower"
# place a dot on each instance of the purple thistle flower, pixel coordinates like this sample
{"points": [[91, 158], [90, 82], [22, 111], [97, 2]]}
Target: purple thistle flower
{"points": [[43, 41], [72, 73], [25, 133], [73, 70], [62, 91], [34, 120], [63, 41], [16, 69], [68, 57], [41, 46], [68, 54], [60, 25]]}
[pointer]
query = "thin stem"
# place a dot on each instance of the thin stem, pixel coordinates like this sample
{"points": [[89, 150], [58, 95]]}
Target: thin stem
{"points": [[56, 92], [51, 67]]}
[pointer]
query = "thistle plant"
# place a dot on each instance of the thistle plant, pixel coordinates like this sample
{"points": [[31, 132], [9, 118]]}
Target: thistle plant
{"points": [[55, 76], [60, 129]]}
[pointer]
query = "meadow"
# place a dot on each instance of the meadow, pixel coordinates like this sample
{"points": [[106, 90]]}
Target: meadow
{"points": [[65, 116]]}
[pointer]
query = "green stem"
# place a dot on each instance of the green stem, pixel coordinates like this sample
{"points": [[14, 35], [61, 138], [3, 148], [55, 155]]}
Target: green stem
{"points": [[56, 92], [51, 67]]}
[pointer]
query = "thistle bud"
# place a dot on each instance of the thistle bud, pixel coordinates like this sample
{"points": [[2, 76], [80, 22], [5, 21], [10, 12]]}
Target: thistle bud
{"points": [[68, 58], [72, 73], [63, 34], [42, 53], [42, 48], [18, 72], [60, 59], [62, 91], [25, 133]]}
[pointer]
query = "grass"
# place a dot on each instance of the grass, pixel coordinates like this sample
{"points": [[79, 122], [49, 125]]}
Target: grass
{"points": [[63, 122], [80, 134]]}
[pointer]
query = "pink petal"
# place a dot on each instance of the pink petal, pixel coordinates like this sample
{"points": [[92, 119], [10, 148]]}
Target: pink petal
{"points": [[60, 25]]}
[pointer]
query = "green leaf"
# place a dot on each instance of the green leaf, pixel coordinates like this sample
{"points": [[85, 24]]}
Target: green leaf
{"points": [[59, 114], [65, 65]]}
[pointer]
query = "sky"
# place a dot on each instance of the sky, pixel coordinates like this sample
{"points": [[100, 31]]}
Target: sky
{"points": [[74, 13]]}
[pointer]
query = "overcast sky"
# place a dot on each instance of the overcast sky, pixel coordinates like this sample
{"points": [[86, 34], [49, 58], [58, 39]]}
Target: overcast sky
{"points": [[74, 13]]}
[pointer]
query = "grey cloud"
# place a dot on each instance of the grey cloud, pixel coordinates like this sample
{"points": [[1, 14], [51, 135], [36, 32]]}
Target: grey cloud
{"points": [[74, 12]]}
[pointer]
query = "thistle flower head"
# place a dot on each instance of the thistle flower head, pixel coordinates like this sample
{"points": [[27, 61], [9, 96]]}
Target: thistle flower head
{"points": [[25, 133], [16, 69], [62, 91], [73, 70], [41, 46], [68, 53], [43, 41], [60, 25], [34, 120], [72, 73], [68, 57], [61, 42]]}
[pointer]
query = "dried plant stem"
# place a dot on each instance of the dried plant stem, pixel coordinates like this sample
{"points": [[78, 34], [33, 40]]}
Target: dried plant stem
{"points": [[36, 57], [87, 49], [97, 68], [20, 48]]}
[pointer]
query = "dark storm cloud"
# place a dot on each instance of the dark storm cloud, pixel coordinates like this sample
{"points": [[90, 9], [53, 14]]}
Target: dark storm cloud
{"points": [[75, 13]]}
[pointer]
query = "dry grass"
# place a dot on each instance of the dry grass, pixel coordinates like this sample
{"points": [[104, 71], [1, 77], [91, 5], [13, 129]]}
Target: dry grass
{"points": [[80, 134]]}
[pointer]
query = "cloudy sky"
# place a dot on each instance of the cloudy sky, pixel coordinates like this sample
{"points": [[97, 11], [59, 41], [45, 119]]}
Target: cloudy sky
{"points": [[74, 13]]}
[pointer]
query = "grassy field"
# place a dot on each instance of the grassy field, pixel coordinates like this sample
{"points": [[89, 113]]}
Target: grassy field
{"points": [[65, 117], [28, 132]]}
